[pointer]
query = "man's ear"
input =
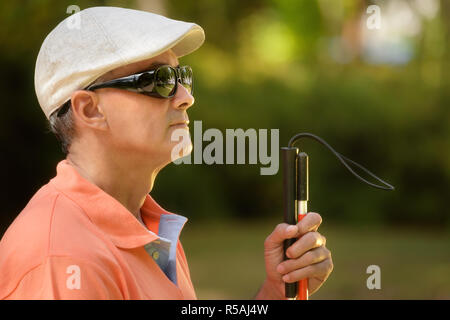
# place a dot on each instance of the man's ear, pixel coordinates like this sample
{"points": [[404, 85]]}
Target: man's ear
{"points": [[87, 110]]}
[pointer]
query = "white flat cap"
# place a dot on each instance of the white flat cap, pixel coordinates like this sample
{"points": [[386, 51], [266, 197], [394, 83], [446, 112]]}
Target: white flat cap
{"points": [[96, 40]]}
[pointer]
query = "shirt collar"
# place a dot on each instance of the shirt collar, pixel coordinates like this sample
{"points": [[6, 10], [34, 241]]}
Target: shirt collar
{"points": [[108, 214]]}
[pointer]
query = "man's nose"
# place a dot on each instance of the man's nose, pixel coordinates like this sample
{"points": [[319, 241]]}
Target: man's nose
{"points": [[183, 99]]}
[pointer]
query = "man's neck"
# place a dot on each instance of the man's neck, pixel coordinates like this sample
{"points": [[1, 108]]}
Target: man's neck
{"points": [[126, 181]]}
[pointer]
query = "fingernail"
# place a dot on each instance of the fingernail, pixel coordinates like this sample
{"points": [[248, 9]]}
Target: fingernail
{"points": [[285, 278], [280, 268]]}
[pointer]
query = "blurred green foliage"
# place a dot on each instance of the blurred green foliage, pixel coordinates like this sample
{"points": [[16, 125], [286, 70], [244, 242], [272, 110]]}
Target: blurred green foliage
{"points": [[267, 64]]}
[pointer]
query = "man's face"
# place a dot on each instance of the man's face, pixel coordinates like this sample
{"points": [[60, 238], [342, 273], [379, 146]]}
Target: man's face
{"points": [[141, 125]]}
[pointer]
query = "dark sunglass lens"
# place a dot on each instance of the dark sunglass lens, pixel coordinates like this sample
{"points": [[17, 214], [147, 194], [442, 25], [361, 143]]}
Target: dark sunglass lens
{"points": [[186, 77], [165, 81], [145, 82]]}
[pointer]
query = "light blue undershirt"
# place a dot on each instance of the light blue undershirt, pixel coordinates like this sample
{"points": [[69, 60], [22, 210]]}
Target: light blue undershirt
{"points": [[170, 226]]}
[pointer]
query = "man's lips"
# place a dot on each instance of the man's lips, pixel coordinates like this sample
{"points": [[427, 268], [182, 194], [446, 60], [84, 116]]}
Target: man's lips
{"points": [[181, 123]]}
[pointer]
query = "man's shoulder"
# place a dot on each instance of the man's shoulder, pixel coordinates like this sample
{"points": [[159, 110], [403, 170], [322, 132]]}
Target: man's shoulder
{"points": [[31, 226], [51, 224]]}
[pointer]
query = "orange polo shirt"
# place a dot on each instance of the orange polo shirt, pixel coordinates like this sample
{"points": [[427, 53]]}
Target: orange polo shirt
{"points": [[75, 241]]}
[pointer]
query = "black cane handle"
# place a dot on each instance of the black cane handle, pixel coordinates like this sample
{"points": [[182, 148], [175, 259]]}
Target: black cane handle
{"points": [[289, 158]]}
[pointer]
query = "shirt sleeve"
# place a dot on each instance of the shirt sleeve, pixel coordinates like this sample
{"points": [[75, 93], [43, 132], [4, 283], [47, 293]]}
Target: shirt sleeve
{"points": [[67, 278]]}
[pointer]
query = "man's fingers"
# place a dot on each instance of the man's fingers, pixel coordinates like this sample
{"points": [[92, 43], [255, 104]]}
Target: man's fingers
{"points": [[311, 257], [310, 222], [319, 270], [307, 242], [281, 232]]}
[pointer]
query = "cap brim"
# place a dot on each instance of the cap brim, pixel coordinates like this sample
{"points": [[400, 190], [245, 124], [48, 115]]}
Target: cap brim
{"points": [[189, 42]]}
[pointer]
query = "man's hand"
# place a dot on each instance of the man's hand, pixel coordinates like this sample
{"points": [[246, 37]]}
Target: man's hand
{"points": [[308, 257]]}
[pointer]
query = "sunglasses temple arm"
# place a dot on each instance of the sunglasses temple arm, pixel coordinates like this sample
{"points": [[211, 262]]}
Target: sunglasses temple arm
{"points": [[125, 82]]}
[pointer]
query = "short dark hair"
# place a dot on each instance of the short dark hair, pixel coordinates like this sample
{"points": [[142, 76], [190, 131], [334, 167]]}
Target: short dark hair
{"points": [[62, 125]]}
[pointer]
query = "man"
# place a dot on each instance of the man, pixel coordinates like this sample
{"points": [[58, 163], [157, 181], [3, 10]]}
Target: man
{"points": [[94, 232]]}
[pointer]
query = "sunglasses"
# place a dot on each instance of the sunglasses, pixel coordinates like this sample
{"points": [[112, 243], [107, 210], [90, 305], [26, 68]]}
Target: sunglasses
{"points": [[161, 82]]}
